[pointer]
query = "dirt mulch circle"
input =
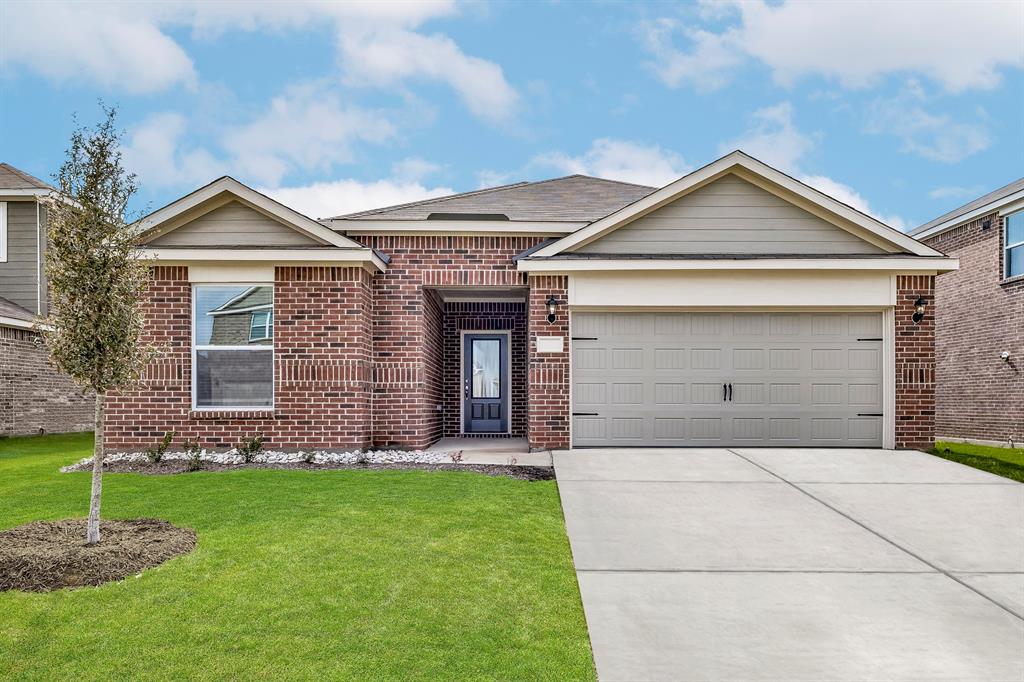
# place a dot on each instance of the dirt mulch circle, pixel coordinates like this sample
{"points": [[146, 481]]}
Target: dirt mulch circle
{"points": [[50, 555], [177, 466]]}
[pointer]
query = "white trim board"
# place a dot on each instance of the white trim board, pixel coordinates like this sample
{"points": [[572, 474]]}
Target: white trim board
{"points": [[311, 256], [929, 265], [768, 178], [1007, 204], [507, 333]]}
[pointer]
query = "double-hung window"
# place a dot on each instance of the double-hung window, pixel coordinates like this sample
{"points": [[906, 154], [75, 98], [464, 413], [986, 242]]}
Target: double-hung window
{"points": [[1013, 254], [233, 347]]}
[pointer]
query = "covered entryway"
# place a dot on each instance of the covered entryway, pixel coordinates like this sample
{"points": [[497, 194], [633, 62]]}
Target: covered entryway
{"points": [[785, 378]]}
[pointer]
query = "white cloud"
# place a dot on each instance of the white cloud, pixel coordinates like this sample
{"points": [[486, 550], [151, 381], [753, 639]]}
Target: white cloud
{"points": [[112, 46], [620, 160], [956, 192], [774, 138], [936, 137], [706, 67], [305, 128], [383, 58], [959, 44], [326, 199], [154, 151], [413, 168], [127, 46]]}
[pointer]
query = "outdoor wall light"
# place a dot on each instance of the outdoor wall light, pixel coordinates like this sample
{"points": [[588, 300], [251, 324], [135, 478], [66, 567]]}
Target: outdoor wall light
{"points": [[1005, 356], [919, 305], [551, 308]]}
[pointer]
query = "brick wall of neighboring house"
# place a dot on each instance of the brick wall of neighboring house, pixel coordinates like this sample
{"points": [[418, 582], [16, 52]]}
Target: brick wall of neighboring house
{"points": [[34, 396], [978, 316], [490, 316], [322, 363], [548, 379], [915, 362], [404, 414]]}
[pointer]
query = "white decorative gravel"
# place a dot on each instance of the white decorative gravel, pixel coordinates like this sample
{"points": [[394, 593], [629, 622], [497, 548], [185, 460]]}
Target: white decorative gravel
{"points": [[276, 457]]}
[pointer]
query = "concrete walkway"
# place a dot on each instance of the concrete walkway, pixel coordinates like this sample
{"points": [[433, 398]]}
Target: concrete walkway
{"points": [[735, 564]]}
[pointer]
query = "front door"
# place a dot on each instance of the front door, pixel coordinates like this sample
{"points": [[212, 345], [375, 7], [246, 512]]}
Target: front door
{"points": [[485, 383]]}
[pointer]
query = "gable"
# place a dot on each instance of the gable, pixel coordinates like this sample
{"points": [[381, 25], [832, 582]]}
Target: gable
{"points": [[232, 225], [729, 216]]}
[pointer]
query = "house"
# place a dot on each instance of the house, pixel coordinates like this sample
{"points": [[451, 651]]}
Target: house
{"points": [[734, 306], [980, 318], [34, 396]]}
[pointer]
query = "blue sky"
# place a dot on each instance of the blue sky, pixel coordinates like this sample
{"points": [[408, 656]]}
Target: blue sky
{"points": [[904, 110]]}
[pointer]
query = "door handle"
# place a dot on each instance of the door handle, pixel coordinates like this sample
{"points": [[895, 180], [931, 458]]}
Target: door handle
{"points": [[730, 393], [725, 392]]}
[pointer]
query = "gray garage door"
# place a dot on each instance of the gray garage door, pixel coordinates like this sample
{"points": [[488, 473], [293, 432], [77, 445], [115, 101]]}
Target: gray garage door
{"points": [[772, 378]]}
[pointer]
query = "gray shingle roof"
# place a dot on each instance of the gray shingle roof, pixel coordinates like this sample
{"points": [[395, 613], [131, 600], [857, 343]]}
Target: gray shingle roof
{"points": [[15, 311], [574, 198], [996, 195], [12, 178]]}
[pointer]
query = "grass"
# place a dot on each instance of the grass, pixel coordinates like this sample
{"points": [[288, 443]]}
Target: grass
{"points": [[367, 575], [1006, 462]]}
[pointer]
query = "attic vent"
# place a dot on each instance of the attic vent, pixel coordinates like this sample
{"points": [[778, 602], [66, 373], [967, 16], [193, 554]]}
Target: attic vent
{"points": [[467, 216]]}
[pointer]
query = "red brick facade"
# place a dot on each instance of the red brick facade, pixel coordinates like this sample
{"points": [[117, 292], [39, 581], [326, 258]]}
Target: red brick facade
{"points": [[978, 316], [548, 380], [34, 396], [365, 360], [409, 357], [915, 362], [322, 359]]}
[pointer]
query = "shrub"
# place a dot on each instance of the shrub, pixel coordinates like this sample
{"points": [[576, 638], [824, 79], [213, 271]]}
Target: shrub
{"points": [[193, 461], [309, 457], [251, 447], [156, 453]]}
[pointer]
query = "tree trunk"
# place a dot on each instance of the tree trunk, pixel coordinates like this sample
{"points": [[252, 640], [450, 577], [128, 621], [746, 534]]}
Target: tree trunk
{"points": [[93, 527]]}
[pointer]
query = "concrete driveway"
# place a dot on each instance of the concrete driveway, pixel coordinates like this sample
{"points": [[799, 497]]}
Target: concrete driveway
{"points": [[799, 564]]}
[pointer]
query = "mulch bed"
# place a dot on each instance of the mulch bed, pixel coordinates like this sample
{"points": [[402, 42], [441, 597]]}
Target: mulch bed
{"points": [[177, 466], [50, 555]]}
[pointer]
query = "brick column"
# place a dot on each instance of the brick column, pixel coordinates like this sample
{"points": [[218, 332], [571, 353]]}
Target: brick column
{"points": [[915, 363], [548, 390]]}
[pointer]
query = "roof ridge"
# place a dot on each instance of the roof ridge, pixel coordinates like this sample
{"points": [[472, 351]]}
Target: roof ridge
{"points": [[422, 202], [26, 177], [499, 188]]}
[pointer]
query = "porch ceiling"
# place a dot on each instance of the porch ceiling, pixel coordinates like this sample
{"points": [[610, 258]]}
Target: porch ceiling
{"points": [[517, 294]]}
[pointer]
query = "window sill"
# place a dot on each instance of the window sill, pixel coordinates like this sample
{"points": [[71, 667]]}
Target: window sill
{"points": [[254, 413], [1016, 279]]}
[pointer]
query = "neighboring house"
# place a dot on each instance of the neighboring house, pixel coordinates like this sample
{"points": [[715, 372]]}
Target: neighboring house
{"points": [[34, 397], [980, 318], [733, 307]]}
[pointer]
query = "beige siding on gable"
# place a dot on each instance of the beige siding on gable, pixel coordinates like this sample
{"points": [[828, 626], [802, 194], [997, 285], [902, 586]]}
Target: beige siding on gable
{"points": [[19, 276], [730, 216], [233, 224]]}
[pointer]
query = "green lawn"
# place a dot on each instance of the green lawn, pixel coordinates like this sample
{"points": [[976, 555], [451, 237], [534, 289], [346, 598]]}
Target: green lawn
{"points": [[368, 575], [1008, 462]]}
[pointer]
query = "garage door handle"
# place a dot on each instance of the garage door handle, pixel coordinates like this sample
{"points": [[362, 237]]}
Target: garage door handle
{"points": [[725, 392], [730, 393]]}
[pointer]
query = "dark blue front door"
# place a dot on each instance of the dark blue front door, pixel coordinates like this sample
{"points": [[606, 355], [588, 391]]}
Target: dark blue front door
{"points": [[485, 383]]}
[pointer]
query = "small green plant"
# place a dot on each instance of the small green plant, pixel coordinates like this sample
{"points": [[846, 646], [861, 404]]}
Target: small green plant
{"points": [[156, 453], [193, 460], [251, 447]]}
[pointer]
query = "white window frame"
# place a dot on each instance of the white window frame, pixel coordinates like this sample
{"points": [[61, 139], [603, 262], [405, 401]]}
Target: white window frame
{"points": [[248, 347], [267, 326], [1007, 245], [3, 231]]}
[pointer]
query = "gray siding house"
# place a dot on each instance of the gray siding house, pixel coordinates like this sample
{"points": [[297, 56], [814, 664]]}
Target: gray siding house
{"points": [[34, 396]]}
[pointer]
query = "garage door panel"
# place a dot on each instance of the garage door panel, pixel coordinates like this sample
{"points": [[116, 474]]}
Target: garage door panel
{"points": [[797, 379]]}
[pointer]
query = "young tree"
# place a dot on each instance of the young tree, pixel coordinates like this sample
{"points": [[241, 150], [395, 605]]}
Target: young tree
{"points": [[96, 279]]}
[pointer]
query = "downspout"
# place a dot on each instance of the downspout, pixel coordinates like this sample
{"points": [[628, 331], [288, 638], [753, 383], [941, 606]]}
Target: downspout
{"points": [[39, 265]]}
